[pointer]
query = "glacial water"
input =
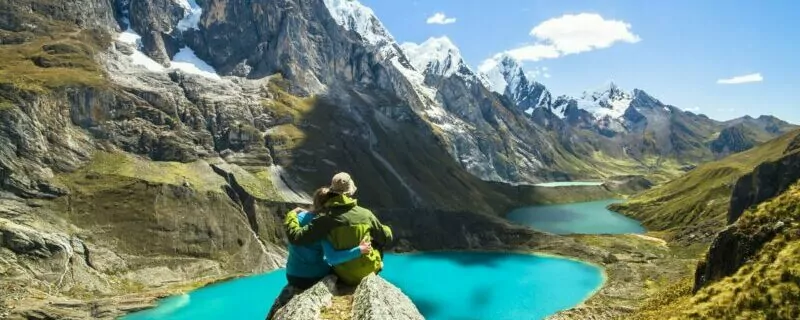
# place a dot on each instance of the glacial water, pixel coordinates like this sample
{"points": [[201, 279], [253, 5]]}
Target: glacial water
{"points": [[447, 285], [576, 218], [569, 184]]}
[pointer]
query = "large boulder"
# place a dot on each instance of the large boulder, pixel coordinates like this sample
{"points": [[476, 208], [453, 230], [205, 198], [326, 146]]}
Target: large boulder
{"points": [[307, 305], [377, 299]]}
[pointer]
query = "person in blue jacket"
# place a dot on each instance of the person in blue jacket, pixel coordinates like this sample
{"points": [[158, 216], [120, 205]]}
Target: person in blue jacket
{"points": [[307, 264]]}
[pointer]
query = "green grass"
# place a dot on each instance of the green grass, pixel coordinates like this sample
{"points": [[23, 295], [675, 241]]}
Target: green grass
{"points": [[767, 287], [700, 198], [653, 168], [198, 174], [258, 184], [52, 55], [297, 110], [50, 62]]}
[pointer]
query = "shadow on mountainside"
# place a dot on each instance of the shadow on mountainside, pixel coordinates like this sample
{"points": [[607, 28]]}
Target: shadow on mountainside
{"points": [[396, 158]]}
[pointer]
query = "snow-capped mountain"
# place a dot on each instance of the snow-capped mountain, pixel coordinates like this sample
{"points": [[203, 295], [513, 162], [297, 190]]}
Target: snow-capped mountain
{"points": [[606, 101], [505, 75], [352, 15], [606, 105], [225, 110], [430, 83], [437, 56]]}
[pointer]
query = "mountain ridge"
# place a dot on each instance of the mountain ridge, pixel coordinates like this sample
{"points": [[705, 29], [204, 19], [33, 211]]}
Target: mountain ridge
{"points": [[146, 144]]}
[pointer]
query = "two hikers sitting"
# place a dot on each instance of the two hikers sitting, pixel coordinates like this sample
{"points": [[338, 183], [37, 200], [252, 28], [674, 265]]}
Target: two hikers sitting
{"points": [[335, 232]]}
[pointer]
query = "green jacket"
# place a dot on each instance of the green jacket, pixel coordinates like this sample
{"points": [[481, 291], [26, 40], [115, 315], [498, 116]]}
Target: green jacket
{"points": [[345, 225]]}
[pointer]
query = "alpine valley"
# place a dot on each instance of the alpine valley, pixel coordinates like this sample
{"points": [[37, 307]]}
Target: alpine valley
{"points": [[149, 147]]}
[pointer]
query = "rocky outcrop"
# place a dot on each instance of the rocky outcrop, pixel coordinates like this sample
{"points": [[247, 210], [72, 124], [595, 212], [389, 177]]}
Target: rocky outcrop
{"points": [[732, 140], [305, 305], [736, 245], [37, 16], [35, 140], [377, 299], [767, 180], [374, 299], [156, 21], [730, 249]]}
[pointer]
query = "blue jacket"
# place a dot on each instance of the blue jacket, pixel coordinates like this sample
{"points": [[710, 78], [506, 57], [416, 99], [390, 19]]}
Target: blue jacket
{"points": [[315, 260]]}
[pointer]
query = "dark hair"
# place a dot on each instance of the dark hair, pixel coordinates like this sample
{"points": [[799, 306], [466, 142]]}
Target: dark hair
{"points": [[321, 196]]}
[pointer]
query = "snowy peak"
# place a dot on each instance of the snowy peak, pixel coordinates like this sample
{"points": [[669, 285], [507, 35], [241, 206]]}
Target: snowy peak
{"points": [[606, 101], [609, 91], [437, 56], [509, 66], [352, 15], [502, 73]]}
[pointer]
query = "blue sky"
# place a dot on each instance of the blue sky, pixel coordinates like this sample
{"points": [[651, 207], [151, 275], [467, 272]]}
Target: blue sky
{"points": [[675, 50]]}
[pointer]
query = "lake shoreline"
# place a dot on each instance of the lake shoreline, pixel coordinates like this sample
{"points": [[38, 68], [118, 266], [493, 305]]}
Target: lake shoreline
{"points": [[617, 292], [588, 217], [505, 258]]}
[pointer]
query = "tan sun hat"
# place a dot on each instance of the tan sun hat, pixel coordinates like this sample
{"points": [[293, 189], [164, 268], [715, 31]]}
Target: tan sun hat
{"points": [[342, 183]]}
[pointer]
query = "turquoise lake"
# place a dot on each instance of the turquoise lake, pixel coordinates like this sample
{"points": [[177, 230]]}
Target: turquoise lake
{"points": [[576, 218], [447, 285], [569, 184]]}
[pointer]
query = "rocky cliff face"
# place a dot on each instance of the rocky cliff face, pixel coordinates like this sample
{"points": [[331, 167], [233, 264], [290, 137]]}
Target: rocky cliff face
{"points": [[766, 181], [733, 139], [739, 243]]}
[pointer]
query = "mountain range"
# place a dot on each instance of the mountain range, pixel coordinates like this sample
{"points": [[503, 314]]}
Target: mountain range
{"points": [[150, 142]]}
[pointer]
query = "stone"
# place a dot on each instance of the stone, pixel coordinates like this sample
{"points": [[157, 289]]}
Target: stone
{"points": [[377, 299], [23, 240], [124, 48], [307, 305]]}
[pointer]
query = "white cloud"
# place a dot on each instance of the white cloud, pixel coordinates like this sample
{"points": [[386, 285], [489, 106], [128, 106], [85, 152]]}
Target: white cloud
{"points": [[440, 18], [754, 77], [583, 32], [571, 34], [534, 53]]}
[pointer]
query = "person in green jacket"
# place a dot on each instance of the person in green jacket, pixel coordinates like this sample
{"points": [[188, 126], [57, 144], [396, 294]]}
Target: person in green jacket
{"points": [[345, 225], [307, 264]]}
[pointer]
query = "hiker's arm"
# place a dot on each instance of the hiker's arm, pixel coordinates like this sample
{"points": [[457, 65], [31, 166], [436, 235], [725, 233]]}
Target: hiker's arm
{"points": [[381, 235], [336, 257], [381, 232], [315, 231]]}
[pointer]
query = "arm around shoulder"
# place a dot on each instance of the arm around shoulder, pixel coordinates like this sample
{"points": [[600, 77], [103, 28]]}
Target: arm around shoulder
{"points": [[316, 230]]}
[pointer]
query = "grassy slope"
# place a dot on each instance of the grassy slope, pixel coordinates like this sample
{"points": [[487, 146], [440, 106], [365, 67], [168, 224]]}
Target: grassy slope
{"points": [[55, 55], [767, 287], [700, 198]]}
